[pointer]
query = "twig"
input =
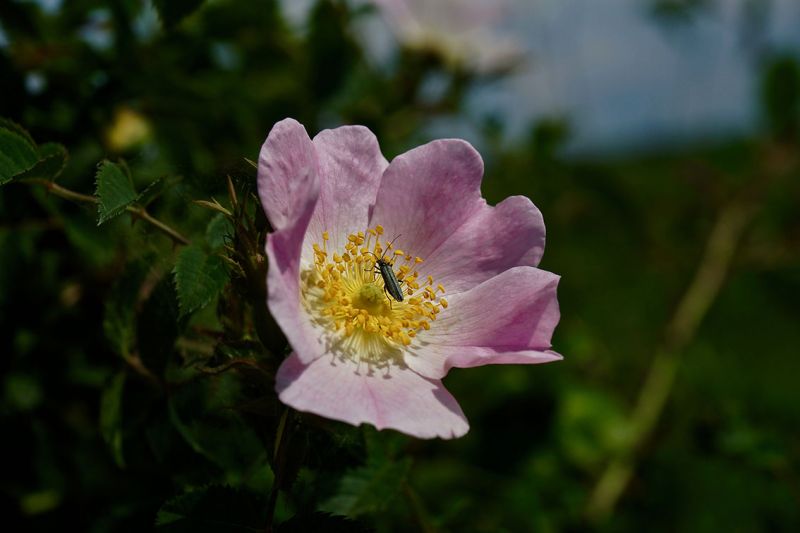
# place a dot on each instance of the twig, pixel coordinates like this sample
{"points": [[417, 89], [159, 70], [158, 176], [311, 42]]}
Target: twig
{"points": [[141, 212], [137, 211], [137, 365], [693, 307], [63, 192]]}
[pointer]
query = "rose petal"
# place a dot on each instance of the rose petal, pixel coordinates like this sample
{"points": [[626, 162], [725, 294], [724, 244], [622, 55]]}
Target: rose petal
{"points": [[509, 318], [493, 240], [283, 284], [427, 193], [350, 169], [287, 173], [400, 399], [289, 187]]}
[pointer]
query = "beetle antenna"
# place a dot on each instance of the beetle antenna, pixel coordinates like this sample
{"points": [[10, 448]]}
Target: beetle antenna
{"points": [[392, 242]]}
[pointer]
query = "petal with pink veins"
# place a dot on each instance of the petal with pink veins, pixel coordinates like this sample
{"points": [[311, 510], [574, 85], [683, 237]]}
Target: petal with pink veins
{"points": [[396, 399], [427, 193], [287, 173], [509, 318], [350, 168], [288, 185], [493, 240]]}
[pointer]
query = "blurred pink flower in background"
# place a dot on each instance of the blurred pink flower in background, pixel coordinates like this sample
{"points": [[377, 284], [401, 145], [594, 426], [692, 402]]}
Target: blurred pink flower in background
{"points": [[472, 293], [463, 32]]}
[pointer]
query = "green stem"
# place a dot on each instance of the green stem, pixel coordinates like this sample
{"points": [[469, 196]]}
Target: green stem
{"points": [[137, 211], [278, 458], [692, 309], [141, 213], [418, 509], [63, 192]]}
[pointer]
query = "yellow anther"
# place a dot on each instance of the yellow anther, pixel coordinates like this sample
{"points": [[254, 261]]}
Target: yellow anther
{"points": [[342, 287]]}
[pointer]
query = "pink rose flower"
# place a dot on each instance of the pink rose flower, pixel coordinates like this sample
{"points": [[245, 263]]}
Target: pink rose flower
{"points": [[464, 32], [472, 294]]}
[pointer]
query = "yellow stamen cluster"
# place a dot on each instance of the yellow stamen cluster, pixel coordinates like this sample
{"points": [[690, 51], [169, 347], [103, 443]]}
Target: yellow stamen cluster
{"points": [[345, 291]]}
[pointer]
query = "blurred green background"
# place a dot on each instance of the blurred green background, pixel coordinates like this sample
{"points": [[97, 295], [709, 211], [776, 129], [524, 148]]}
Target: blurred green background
{"points": [[676, 406]]}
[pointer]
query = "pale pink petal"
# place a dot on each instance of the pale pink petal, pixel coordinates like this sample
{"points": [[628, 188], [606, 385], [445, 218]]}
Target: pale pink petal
{"points": [[350, 169], [509, 318], [493, 240], [395, 399], [289, 187], [283, 286], [287, 173], [427, 193]]}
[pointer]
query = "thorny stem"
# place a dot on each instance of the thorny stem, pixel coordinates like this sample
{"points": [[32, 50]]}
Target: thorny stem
{"points": [[653, 396], [137, 211]]}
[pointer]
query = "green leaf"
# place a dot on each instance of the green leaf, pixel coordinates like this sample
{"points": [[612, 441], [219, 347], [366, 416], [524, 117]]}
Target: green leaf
{"points": [[152, 191], [21, 158], [205, 413], [212, 509], [218, 231], [111, 417], [114, 190], [17, 154], [199, 277], [368, 489], [16, 128], [52, 159], [173, 11]]}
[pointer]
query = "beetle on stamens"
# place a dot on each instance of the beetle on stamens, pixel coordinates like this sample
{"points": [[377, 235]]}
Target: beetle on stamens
{"points": [[391, 284]]}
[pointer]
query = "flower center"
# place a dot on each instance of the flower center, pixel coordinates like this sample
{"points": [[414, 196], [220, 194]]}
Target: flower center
{"points": [[346, 292]]}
